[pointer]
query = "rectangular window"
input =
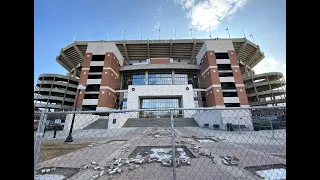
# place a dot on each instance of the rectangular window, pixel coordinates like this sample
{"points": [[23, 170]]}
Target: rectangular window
{"points": [[96, 68], [133, 78], [222, 55], [195, 95], [224, 67], [159, 79], [97, 57], [180, 79], [91, 96], [95, 76], [138, 79], [89, 107], [92, 87], [230, 94], [229, 74], [228, 85], [232, 104]]}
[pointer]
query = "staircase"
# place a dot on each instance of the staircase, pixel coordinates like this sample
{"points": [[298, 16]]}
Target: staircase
{"points": [[160, 122], [98, 124]]}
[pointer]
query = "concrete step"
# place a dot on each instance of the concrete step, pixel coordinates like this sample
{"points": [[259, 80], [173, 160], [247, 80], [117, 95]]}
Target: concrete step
{"points": [[98, 124], [160, 122]]}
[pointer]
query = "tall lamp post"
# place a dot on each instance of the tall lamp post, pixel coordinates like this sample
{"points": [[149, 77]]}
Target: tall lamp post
{"points": [[69, 138]]}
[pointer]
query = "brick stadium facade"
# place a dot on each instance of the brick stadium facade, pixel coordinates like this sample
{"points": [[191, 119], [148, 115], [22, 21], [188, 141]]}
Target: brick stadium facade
{"points": [[161, 73]]}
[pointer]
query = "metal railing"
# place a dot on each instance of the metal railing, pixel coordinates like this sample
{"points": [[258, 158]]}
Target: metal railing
{"points": [[200, 143]]}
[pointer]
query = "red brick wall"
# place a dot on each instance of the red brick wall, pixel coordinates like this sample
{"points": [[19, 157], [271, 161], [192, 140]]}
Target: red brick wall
{"points": [[159, 60], [87, 60], [237, 75], [211, 77], [106, 98], [233, 58], [83, 77], [109, 78], [200, 104], [242, 96], [81, 97]]}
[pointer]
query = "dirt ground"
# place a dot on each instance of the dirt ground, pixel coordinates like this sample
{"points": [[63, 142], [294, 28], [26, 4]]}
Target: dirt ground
{"points": [[49, 150]]}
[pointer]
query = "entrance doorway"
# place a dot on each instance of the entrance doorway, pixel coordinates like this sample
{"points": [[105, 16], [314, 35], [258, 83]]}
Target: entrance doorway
{"points": [[158, 103]]}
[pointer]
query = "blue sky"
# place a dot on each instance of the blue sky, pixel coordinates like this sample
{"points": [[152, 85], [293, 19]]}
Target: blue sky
{"points": [[55, 21]]}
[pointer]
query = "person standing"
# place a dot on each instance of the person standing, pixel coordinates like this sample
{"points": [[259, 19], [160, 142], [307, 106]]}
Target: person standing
{"points": [[121, 104], [117, 103], [55, 130]]}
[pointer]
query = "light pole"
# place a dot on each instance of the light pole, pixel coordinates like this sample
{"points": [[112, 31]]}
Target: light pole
{"points": [[69, 138]]}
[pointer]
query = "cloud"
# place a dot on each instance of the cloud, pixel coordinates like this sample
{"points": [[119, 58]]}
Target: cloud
{"points": [[270, 65], [158, 12], [156, 26], [208, 13], [156, 17]]}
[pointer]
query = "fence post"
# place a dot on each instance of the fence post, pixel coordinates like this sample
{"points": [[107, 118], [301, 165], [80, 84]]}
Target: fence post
{"points": [[37, 141], [173, 148], [271, 127]]}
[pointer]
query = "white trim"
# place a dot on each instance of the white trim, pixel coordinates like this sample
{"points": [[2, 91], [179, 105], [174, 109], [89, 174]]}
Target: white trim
{"points": [[121, 90], [95, 73], [89, 101], [96, 63], [83, 87], [225, 71], [93, 81], [235, 66], [111, 70], [102, 108], [226, 79], [85, 68], [244, 105], [229, 90], [218, 106], [239, 85], [107, 87], [199, 89], [213, 85], [231, 99], [209, 68], [92, 92], [159, 58], [223, 61]]}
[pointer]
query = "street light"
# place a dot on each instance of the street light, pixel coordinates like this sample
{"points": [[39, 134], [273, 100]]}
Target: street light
{"points": [[69, 138]]}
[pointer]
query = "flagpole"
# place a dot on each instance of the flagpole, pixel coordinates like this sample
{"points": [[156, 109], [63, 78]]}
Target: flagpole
{"points": [[243, 33], [252, 37], [89, 34], [65, 43], [74, 37], [159, 33], [191, 33], [228, 31], [210, 33], [124, 34]]}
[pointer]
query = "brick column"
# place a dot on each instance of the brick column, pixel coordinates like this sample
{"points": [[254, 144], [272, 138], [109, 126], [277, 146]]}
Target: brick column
{"points": [[110, 80], [200, 104], [83, 78], [211, 79], [238, 78]]}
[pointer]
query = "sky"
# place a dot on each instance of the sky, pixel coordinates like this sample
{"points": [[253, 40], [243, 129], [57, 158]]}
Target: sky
{"points": [[59, 22]]}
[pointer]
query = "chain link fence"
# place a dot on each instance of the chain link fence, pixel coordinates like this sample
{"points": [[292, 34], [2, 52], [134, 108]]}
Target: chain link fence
{"points": [[177, 143]]}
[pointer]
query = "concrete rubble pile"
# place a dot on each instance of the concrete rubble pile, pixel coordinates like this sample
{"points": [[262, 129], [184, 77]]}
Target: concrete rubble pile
{"points": [[47, 170]]}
